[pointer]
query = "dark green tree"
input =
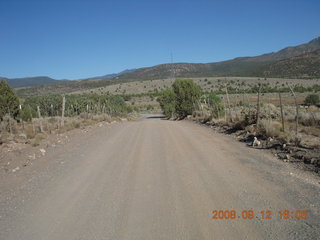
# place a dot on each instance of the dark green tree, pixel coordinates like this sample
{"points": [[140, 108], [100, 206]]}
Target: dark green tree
{"points": [[26, 113], [9, 101], [312, 99], [167, 101], [187, 95]]}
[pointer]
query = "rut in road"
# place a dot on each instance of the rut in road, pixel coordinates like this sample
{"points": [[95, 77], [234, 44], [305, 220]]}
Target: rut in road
{"points": [[159, 179]]}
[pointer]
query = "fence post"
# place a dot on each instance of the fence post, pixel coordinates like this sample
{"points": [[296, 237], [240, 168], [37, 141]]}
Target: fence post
{"points": [[297, 108], [229, 104], [258, 107], [87, 111], [281, 111], [52, 113], [224, 105], [33, 127], [63, 109], [40, 120], [21, 120]]}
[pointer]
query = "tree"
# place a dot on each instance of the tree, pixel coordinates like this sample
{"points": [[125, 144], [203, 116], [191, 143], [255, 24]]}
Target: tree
{"points": [[9, 101], [187, 95], [167, 100], [312, 99], [26, 113]]}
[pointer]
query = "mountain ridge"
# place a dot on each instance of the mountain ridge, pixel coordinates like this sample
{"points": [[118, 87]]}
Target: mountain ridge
{"points": [[31, 81], [240, 66]]}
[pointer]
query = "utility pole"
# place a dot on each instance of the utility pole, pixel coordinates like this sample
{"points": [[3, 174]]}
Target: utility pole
{"points": [[172, 67]]}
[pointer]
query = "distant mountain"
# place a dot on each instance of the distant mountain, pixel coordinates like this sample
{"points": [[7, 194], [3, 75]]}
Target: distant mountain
{"points": [[236, 67], [31, 81], [242, 66]]}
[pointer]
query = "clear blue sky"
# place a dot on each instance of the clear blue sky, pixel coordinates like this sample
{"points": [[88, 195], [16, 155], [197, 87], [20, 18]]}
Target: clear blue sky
{"points": [[69, 39]]}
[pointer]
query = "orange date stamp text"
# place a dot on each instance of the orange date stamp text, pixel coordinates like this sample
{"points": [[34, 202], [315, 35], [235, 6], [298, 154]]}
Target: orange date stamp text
{"points": [[264, 214]]}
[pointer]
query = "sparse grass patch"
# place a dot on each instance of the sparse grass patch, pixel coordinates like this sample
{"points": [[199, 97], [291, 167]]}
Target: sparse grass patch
{"points": [[37, 139], [29, 131], [52, 120], [269, 128], [66, 127], [310, 118], [5, 137], [315, 131]]}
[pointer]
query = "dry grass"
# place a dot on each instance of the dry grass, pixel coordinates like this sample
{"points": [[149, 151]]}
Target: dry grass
{"points": [[51, 125], [244, 117], [29, 131], [206, 83], [315, 131], [269, 128], [37, 139]]}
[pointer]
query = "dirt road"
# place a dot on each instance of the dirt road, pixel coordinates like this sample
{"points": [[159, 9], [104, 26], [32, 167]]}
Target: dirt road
{"points": [[156, 179]]}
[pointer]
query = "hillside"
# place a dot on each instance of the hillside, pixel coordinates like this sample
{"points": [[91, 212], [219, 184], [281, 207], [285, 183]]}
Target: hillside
{"points": [[112, 75], [235, 67], [302, 66], [243, 66], [31, 81], [288, 52], [67, 87]]}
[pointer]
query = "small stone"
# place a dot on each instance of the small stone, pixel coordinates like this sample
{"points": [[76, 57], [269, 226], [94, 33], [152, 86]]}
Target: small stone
{"points": [[16, 169], [256, 142], [270, 139], [23, 135], [43, 151]]}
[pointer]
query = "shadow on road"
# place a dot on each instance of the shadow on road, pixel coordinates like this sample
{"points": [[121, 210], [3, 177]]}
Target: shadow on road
{"points": [[157, 117]]}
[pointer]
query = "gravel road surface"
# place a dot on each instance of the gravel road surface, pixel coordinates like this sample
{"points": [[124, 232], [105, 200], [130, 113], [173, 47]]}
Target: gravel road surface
{"points": [[157, 179]]}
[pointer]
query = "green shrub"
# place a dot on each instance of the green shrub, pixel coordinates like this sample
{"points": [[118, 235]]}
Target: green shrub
{"points": [[312, 99], [214, 102], [51, 104], [26, 113], [187, 94], [167, 100], [149, 107], [9, 101]]}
